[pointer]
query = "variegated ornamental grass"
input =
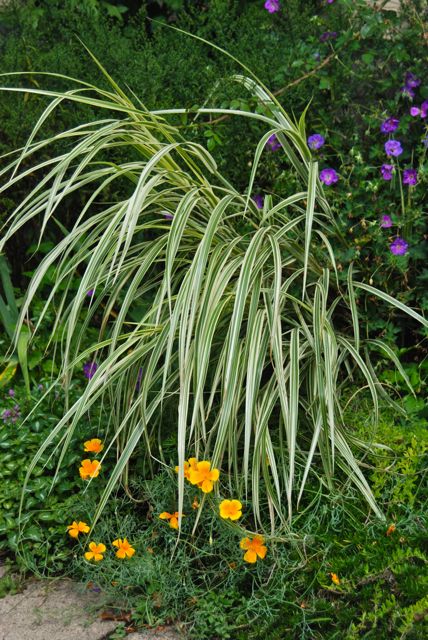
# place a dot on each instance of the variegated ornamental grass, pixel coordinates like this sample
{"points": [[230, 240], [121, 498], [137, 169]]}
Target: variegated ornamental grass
{"points": [[241, 320]]}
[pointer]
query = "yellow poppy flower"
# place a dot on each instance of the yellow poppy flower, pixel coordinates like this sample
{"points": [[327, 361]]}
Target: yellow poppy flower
{"points": [[230, 509], [76, 528], [89, 469], [204, 476], [335, 578], [96, 551], [94, 446], [172, 517], [124, 549], [254, 548]]}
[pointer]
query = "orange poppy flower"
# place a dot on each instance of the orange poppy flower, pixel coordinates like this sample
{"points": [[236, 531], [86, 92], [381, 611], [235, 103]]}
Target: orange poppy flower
{"points": [[94, 446], [124, 549], [76, 528], [254, 548], [204, 476], [188, 465], [390, 529], [230, 509], [89, 469], [172, 517], [96, 551], [335, 578]]}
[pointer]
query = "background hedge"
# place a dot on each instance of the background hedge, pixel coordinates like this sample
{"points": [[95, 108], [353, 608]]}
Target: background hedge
{"points": [[351, 79]]}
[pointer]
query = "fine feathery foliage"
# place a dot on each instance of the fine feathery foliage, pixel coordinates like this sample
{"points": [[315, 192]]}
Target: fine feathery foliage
{"points": [[231, 312]]}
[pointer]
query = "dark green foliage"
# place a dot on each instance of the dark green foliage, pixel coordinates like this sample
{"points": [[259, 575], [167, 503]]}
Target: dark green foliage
{"points": [[39, 537]]}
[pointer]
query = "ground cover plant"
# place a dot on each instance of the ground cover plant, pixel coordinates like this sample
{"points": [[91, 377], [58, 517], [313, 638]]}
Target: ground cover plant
{"points": [[36, 536], [380, 567], [241, 311]]}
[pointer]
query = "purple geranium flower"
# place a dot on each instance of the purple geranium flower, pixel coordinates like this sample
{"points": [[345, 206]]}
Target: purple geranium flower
{"points": [[89, 369], [410, 176], [425, 142], [258, 199], [90, 293], [315, 141], [273, 143], [407, 92], [11, 393], [330, 1], [328, 35], [387, 170], [272, 6], [411, 81], [386, 222], [328, 176], [393, 148], [414, 111], [389, 125], [167, 215], [424, 109], [398, 247]]}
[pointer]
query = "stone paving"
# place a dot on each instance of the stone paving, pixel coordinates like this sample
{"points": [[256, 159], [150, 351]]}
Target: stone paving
{"points": [[61, 610]]}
